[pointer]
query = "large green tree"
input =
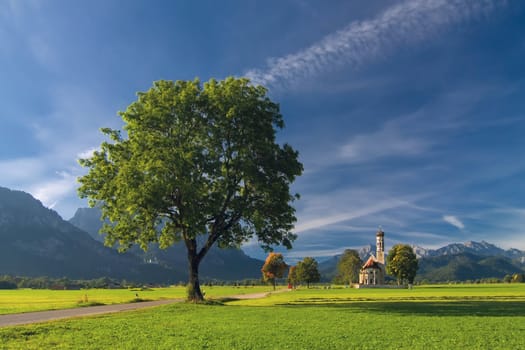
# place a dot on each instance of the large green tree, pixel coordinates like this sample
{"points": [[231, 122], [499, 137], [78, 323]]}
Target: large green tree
{"points": [[198, 164], [348, 267], [307, 271], [401, 262]]}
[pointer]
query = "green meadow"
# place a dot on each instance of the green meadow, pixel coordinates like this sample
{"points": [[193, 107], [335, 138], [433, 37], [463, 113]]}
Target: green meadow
{"points": [[27, 300], [433, 317]]}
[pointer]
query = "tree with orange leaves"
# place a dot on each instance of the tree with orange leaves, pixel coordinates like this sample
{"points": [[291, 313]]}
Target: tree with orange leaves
{"points": [[274, 267]]}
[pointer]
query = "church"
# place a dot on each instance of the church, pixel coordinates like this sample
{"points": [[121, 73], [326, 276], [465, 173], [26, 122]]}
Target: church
{"points": [[372, 273]]}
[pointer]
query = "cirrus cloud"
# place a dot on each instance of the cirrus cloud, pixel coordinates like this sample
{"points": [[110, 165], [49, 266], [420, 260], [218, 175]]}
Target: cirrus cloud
{"points": [[408, 22], [454, 221]]}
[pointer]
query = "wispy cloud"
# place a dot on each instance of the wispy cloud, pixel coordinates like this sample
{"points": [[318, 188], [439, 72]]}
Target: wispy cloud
{"points": [[454, 221], [50, 192], [372, 145], [69, 132], [298, 254], [324, 221], [34, 176], [409, 22], [413, 134], [330, 210], [20, 170]]}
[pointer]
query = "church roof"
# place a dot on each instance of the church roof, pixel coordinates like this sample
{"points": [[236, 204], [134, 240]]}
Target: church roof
{"points": [[371, 263]]}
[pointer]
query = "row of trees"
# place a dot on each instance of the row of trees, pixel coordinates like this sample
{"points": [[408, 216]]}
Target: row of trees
{"points": [[401, 263], [306, 271], [44, 282]]}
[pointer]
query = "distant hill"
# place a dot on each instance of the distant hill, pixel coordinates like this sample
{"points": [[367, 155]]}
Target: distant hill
{"points": [[465, 266], [224, 264], [477, 248], [328, 268], [454, 262], [88, 219], [36, 241]]}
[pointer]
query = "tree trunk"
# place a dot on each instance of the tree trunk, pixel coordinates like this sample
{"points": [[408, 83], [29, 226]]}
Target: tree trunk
{"points": [[194, 288], [273, 282], [194, 259]]}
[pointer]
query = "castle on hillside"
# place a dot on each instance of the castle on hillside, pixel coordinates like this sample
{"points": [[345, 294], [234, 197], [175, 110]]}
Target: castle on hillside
{"points": [[372, 273]]}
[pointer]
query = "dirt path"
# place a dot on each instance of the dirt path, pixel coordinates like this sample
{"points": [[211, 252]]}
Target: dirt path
{"points": [[44, 316], [256, 295], [248, 296]]}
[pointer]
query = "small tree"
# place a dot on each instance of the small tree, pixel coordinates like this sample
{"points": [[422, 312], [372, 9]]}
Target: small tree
{"points": [[274, 267], [348, 267], [401, 262], [292, 276], [307, 271]]}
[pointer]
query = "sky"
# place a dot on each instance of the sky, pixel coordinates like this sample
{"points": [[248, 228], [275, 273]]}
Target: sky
{"points": [[408, 114]]}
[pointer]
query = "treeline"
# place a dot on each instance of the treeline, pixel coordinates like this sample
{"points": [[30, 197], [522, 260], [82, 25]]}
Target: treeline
{"points": [[248, 282], [514, 278], [15, 282]]}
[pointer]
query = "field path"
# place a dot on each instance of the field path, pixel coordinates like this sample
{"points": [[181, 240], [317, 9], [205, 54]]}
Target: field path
{"points": [[44, 316], [256, 295]]}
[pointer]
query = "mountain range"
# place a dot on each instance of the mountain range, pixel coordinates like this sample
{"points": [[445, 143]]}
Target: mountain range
{"points": [[223, 264], [36, 241], [477, 248], [454, 262]]}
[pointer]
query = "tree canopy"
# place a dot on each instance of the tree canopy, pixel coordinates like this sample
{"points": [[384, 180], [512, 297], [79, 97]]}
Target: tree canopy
{"points": [[308, 271], [348, 267], [195, 161], [401, 262], [274, 267]]}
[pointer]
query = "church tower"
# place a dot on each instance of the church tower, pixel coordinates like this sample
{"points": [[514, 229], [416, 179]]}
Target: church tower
{"points": [[373, 271], [380, 246]]}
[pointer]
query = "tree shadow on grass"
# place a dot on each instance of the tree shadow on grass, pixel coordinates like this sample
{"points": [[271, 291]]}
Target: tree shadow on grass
{"points": [[430, 308]]}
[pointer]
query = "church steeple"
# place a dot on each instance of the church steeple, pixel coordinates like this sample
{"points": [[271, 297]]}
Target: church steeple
{"points": [[380, 246], [373, 271]]}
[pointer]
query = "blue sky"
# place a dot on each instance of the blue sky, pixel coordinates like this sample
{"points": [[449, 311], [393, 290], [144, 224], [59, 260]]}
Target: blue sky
{"points": [[407, 114]]}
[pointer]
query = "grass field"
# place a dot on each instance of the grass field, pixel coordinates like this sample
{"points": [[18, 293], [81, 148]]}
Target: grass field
{"points": [[451, 317], [26, 300]]}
